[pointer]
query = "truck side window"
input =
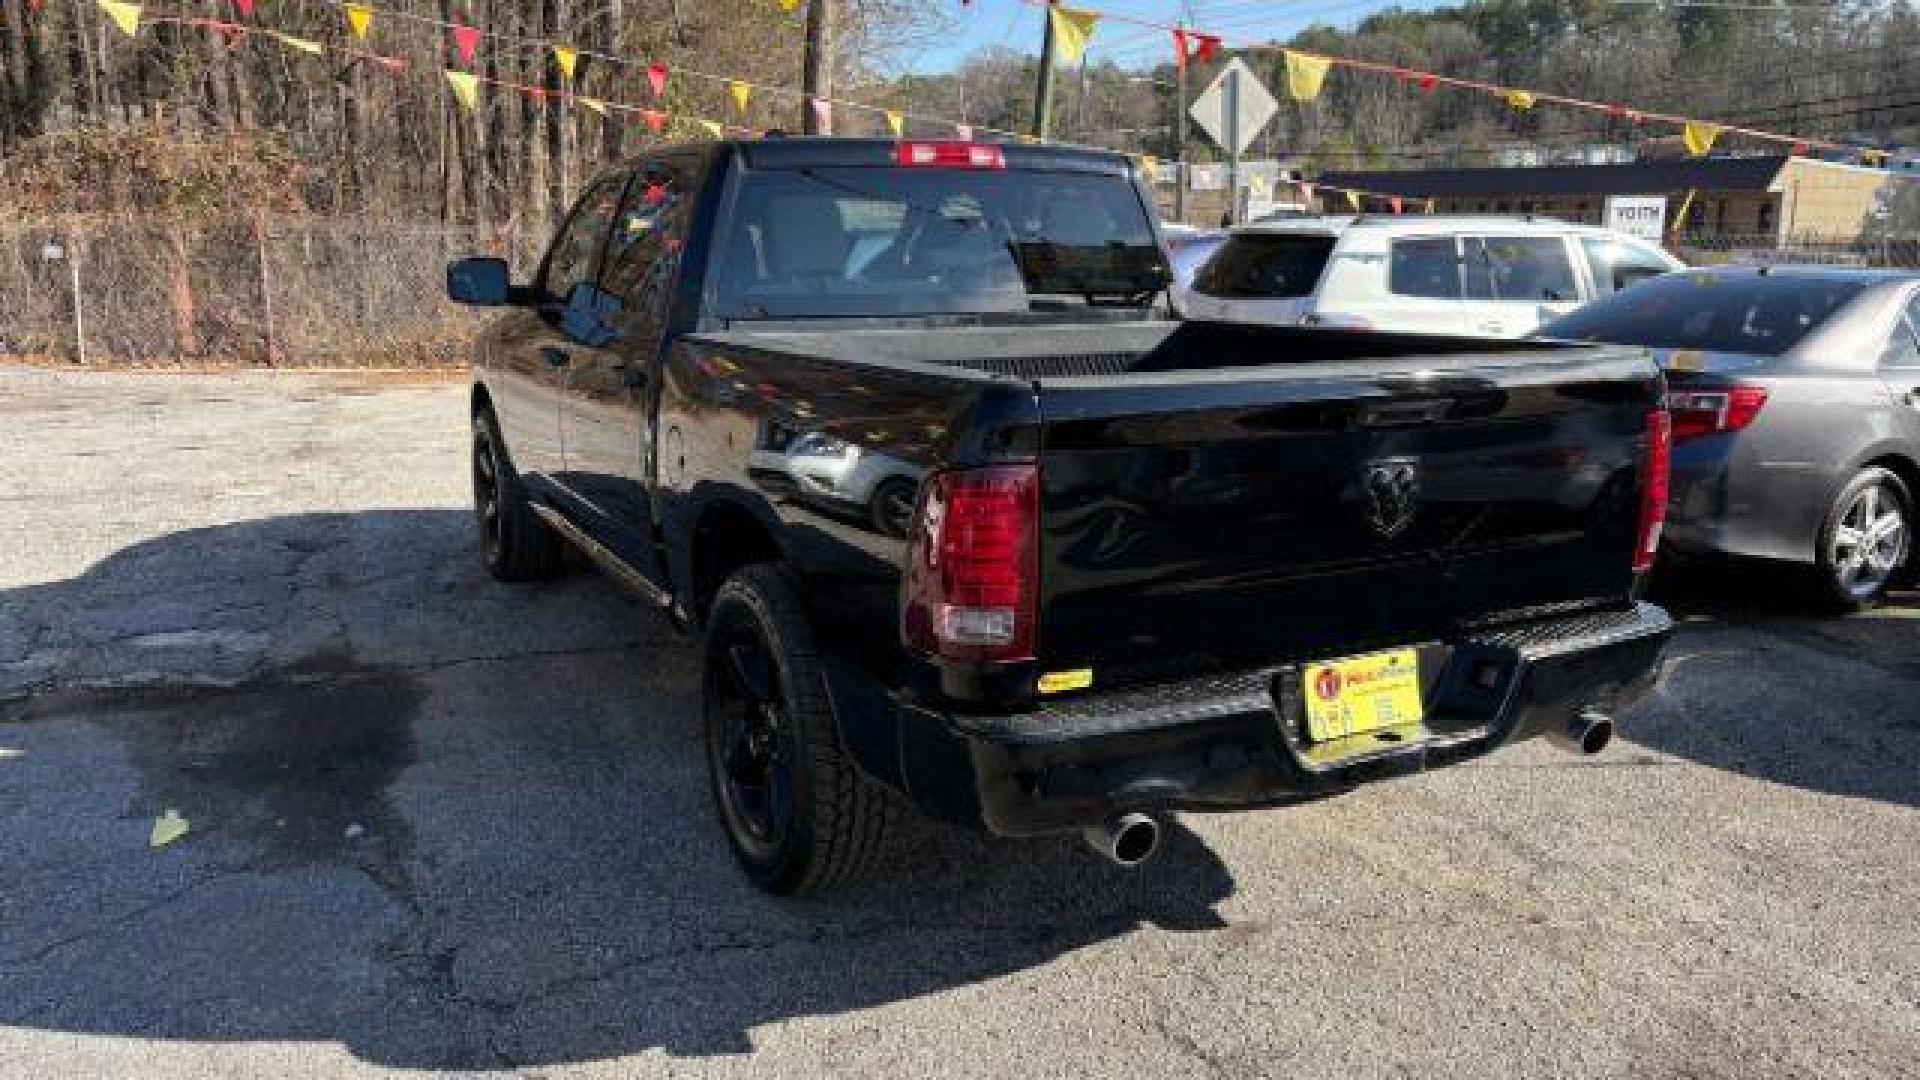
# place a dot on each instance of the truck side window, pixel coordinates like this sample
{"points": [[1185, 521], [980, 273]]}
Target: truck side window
{"points": [[1617, 264], [648, 235], [575, 254], [1531, 269], [1427, 266]]}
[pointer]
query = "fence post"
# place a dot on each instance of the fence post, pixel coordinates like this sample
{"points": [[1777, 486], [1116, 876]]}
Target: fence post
{"points": [[266, 289], [79, 316]]}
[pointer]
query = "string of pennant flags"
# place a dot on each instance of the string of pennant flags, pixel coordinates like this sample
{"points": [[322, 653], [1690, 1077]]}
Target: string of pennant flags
{"points": [[1306, 74]]}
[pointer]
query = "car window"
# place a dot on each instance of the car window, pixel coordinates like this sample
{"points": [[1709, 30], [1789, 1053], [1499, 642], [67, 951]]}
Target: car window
{"points": [[1762, 314], [1903, 349], [1532, 269], [575, 254], [649, 232], [1254, 265], [1617, 264], [1424, 266]]}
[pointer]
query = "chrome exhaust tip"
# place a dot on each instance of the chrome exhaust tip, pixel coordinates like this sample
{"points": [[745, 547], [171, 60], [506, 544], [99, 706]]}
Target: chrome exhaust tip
{"points": [[1126, 839], [1588, 732]]}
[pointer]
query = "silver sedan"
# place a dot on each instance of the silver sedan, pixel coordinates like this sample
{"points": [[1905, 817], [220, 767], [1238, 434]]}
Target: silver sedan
{"points": [[1795, 399]]}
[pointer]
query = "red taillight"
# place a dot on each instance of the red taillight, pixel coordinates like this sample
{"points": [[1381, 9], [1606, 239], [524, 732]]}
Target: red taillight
{"points": [[950, 155], [1701, 412], [973, 565], [1653, 489]]}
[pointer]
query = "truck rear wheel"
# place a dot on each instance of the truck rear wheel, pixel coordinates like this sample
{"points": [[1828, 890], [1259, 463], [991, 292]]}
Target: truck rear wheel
{"points": [[800, 816], [515, 544]]}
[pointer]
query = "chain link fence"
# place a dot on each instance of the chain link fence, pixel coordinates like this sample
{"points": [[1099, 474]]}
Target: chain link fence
{"points": [[1707, 249], [266, 291]]}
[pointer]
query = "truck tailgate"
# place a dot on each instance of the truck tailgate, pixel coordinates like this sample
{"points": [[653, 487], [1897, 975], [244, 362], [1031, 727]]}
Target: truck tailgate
{"points": [[1199, 519]]}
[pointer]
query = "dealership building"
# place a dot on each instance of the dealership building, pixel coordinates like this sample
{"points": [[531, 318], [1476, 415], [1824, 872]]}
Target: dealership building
{"points": [[1757, 200]]}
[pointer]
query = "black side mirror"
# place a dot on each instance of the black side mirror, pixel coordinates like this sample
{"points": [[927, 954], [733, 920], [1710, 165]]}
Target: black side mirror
{"points": [[481, 282], [588, 318]]}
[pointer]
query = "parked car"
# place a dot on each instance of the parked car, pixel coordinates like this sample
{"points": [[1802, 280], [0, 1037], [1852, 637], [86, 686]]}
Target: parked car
{"points": [[1151, 564], [1415, 273], [1188, 248], [1795, 395]]}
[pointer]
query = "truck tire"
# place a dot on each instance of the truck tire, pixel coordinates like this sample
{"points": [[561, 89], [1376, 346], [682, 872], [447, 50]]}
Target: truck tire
{"points": [[799, 814], [515, 544], [1866, 542]]}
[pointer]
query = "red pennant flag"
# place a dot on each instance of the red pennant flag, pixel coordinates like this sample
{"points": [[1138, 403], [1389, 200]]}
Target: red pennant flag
{"points": [[963, 132], [822, 113], [1427, 83], [657, 78], [655, 121], [246, 8], [35, 5], [1800, 149], [1193, 45], [1394, 201], [465, 40]]}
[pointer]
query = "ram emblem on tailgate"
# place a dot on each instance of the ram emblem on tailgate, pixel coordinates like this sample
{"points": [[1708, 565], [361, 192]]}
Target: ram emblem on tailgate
{"points": [[1392, 487]]}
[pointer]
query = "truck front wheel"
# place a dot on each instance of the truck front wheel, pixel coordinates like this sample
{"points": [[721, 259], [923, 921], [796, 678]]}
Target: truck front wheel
{"points": [[800, 816]]}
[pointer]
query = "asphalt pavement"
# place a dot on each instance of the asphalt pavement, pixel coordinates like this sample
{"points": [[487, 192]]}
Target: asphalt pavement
{"points": [[444, 825]]}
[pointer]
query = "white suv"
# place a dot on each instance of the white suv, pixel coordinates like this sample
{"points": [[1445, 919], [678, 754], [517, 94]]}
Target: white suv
{"points": [[1418, 273]]}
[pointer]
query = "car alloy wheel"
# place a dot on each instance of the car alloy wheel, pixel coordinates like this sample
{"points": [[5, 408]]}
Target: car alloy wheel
{"points": [[486, 489], [1868, 542], [751, 742]]}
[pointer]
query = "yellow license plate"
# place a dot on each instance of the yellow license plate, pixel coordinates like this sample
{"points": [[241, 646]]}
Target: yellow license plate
{"points": [[1361, 694]]}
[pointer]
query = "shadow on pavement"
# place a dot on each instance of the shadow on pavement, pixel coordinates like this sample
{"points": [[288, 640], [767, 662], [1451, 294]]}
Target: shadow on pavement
{"points": [[444, 822], [1758, 681]]}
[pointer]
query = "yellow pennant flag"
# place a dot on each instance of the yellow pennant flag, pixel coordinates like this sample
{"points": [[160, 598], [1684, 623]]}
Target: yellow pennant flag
{"points": [[1071, 29], [125, 16], [791, 6], [594, 105], [1353, 200], [713, 128], [465, 87], [1519, 99], [1698, 135], [1149, 166], [897, 121], [359, 17], [1680, 215], [292, 42], [566, 58], [741, 92], [1305, 74]]}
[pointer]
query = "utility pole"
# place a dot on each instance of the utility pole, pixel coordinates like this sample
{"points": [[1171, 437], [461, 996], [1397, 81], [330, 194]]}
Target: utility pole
{"points": [[816, 78], [1180, 133], [1043, 97]]}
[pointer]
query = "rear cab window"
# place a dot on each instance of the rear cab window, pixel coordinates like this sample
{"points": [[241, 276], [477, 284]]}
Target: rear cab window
{"points": [[1253, 265]]}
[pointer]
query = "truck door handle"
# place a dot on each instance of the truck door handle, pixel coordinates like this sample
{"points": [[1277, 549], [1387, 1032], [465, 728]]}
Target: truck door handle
{"points": [[555, 357], [1493, 328]]}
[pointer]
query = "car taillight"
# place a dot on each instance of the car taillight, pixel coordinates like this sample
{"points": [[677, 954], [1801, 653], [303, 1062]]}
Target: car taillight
{"points": [[1653, 489], [950, 155], [973, 565], [1699, 413]]}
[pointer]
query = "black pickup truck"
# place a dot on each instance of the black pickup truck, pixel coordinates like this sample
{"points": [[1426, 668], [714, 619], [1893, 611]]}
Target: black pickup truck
{"points": [[968, 523]]}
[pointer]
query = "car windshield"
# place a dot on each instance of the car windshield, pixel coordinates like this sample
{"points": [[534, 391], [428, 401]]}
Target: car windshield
{"points": [[1762, 314], [826, 243]]}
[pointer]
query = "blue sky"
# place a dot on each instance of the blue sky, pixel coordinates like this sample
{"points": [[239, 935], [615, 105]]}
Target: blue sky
{"points": [[1017, 24]]}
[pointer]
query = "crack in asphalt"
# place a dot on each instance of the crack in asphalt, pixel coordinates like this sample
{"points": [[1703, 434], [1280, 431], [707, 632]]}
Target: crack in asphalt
{"points": [[120, 921]]}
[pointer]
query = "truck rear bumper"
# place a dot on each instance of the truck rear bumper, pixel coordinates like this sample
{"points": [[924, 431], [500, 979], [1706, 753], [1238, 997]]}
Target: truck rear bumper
{"points": [[1238, 741]]}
